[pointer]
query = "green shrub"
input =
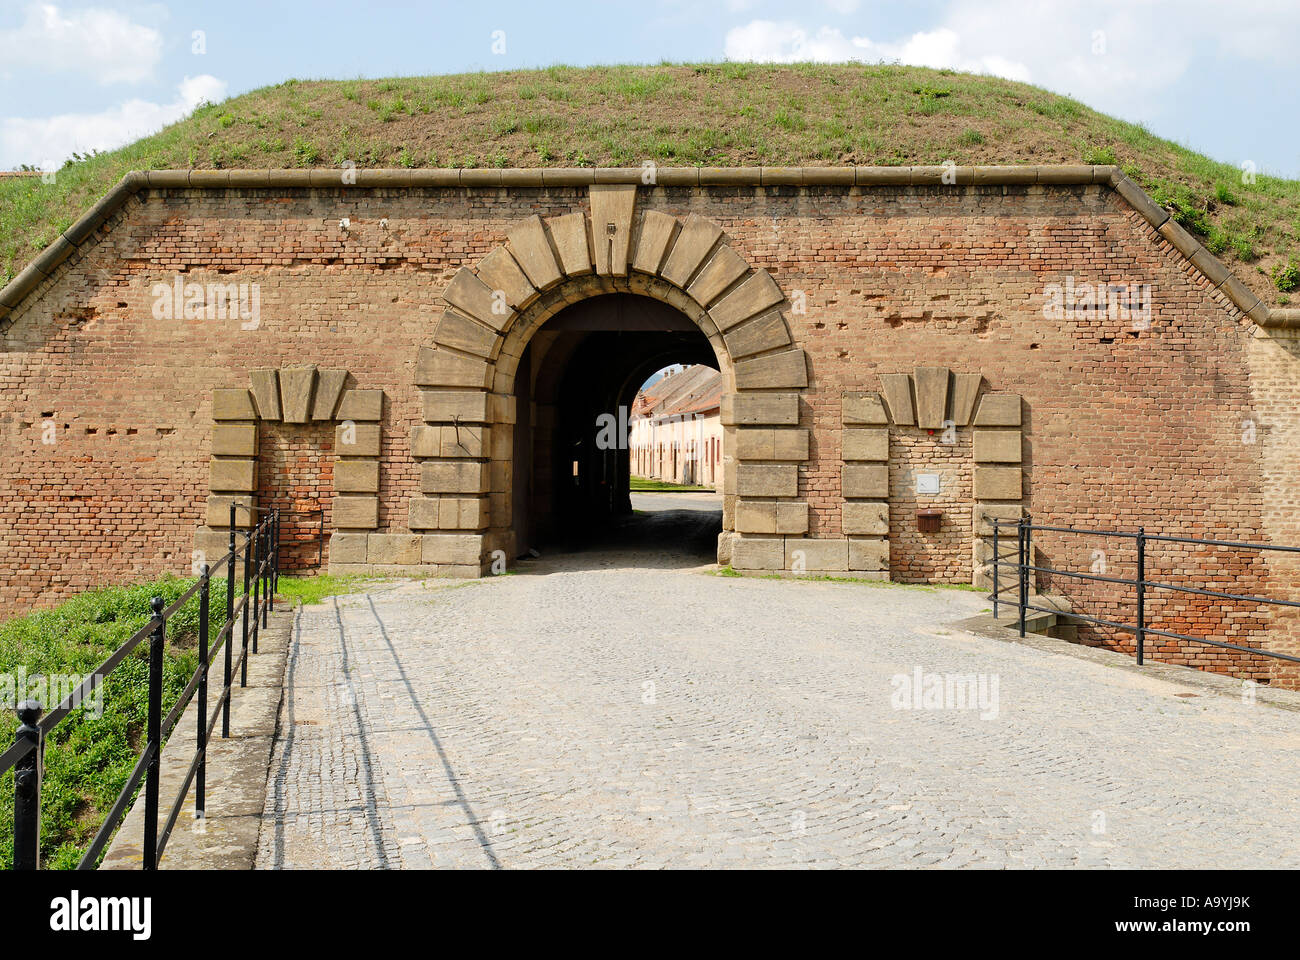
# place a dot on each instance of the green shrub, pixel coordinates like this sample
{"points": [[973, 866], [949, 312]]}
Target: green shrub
{"points": [[1286, 277], [88, 759], [1101, 156]]}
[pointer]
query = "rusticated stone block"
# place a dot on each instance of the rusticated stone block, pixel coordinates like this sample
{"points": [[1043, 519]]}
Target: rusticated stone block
{"points": [[965, 388], [897, 391], [766, 479], [499, 271], [232, 476], [457, 476], [866, 480], [393, 548], [984, 512], [757, 553], [570, 235], [329, 387], [695, 240], [232, 404], [457, 548], [755, 295], [998, 410], [266, 393], [348, 547], [865, 518], [356, 439], [474, 298], [362, 405], [803, 555], [461, 333], [997, 483], [447, 513], [869, 556], [532, 251], [612, 206], [656, 230], [234, 440], [466, 440], [771, 443], [996, 446], [467, 406], [356, 476], [442, 368], [771, 517], [931, 396], [296, 386], [218, 512], [865, 443], [773, 371], [760, 408], [765, 332], [862, 408], [356, 513], [722, 270]]}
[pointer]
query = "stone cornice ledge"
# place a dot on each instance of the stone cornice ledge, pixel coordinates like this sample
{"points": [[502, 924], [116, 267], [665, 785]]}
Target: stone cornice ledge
{"points": [[1206, 263]]}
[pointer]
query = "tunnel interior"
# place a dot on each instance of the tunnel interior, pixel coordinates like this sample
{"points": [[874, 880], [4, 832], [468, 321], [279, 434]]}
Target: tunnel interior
{"points": [[571, 485]]}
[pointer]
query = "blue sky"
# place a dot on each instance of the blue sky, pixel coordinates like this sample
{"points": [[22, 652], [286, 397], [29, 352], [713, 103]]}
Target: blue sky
{"points": [[1221, 78]]}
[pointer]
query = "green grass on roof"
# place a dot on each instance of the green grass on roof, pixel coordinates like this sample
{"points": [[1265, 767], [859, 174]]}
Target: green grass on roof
{"points": [[723, 114]]}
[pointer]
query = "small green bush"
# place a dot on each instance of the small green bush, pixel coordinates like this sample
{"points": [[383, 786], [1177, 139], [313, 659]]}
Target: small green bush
{"points": [[1286, 277]]}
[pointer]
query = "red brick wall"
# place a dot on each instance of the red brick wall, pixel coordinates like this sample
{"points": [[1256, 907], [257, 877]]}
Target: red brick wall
{"points": [[943, 556], [1124, 427]]}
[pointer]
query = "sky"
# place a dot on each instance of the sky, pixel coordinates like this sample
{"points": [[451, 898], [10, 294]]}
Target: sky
{"points": [[1221, 78]]}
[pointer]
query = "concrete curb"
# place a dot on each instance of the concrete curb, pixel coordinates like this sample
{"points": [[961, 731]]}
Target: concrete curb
{"points": [[1188, 678], [237, 770]]}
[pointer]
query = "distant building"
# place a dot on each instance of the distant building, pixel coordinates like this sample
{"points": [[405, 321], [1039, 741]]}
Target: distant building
{"points": [[676, 428]]}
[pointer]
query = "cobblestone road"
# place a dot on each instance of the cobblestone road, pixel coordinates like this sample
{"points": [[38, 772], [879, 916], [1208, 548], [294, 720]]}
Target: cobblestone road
{"points": [[582, 713]]}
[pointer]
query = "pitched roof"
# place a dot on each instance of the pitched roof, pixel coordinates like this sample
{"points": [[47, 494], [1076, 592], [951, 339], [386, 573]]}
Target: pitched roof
{"points": [[696, 389]]}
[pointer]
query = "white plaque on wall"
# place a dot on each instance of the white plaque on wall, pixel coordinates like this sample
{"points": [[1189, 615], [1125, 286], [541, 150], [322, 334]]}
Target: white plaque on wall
{"points": [[927, 484]]}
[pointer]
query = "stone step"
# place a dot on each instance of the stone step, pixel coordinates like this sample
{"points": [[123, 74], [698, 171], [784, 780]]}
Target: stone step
{"points": [[1036, 621]]}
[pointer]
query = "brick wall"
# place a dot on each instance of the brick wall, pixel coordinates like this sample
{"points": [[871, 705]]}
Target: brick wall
{"points": [[1124, 427]]}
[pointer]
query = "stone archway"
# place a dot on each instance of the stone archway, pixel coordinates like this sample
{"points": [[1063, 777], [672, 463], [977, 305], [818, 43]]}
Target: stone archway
{"points": [[465, 445]]}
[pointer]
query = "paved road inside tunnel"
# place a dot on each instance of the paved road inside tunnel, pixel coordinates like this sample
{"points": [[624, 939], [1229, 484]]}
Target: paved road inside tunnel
{"points": [[623, 706]]}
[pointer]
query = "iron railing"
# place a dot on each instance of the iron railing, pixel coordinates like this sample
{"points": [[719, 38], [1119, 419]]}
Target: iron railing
{"points": [[1024, 569], [261, 553]]}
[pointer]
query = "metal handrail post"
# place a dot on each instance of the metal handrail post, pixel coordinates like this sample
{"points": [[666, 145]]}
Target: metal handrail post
{"points": [[243, 644], [995, 568], [28, 773], [1023, 582], [1141, 593], [201, 775], [154, 727], [230, 624]]}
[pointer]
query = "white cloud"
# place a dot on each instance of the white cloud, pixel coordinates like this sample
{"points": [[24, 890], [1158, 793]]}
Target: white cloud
{"points": [[47, 141], [102, 44], [787, 42]]}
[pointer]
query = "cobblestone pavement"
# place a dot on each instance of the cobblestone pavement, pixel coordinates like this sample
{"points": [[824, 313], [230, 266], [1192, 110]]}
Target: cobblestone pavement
{"points": [[587, 713]]}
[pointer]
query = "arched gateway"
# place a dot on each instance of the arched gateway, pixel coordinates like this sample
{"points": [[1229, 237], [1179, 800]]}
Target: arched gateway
{"points": [[470, 376]]}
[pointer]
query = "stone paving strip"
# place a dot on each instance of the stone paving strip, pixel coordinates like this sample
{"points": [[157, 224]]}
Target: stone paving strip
{"points": [[588, 714]]}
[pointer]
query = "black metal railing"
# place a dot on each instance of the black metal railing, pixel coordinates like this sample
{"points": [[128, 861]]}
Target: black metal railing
{"points": [[1025, 568], [260, 553]]}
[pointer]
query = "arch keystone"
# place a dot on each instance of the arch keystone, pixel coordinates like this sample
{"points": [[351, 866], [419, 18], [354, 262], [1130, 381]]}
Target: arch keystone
{"points": [[612, 206]]}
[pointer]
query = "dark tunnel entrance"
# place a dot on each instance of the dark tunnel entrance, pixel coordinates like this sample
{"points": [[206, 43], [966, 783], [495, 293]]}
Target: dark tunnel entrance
{"points": [[580, 374]]}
